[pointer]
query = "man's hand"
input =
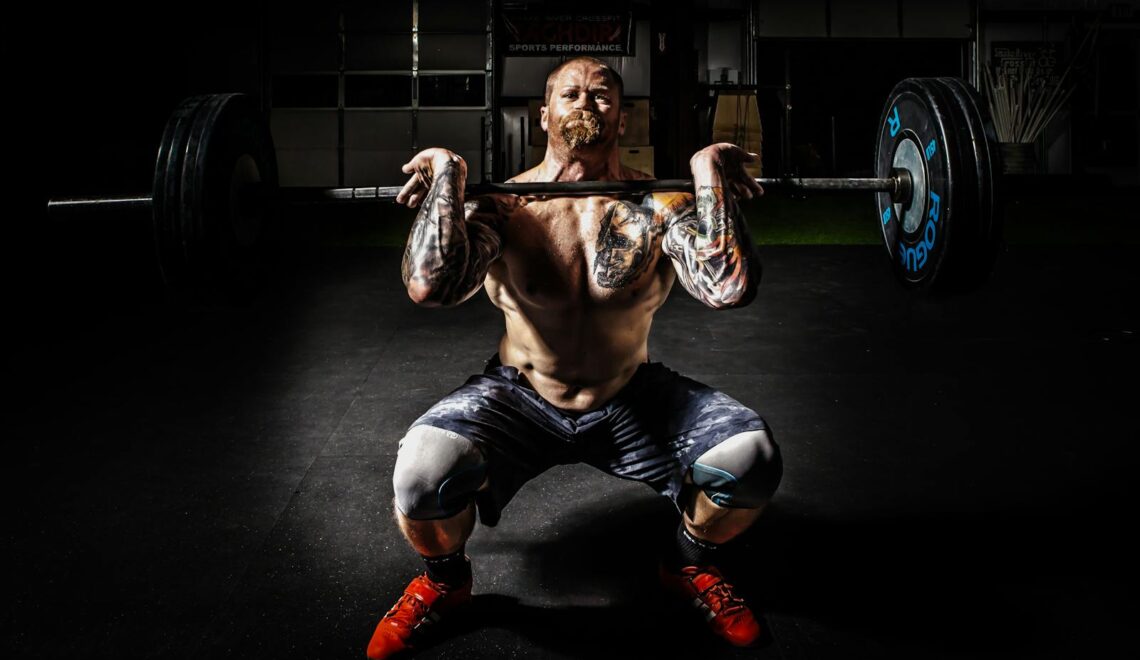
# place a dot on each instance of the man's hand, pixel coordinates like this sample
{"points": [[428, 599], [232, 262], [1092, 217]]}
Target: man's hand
{"points": [[722, 165], [423, 167]]}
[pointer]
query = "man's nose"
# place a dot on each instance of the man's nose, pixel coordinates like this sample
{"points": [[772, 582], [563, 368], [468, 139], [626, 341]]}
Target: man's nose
{"points": [[584, 102]]}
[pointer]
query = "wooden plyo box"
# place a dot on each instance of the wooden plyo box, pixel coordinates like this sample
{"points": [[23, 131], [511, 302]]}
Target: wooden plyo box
{"points": [[636, 123], [639, 158], [737, 120]]}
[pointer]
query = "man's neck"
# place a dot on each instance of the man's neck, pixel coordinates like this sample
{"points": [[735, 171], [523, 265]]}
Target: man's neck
{"points": [[567, 165]]}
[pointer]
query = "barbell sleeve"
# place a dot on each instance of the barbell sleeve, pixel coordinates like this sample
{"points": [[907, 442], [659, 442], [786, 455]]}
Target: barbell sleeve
{"points": [[131, 202]]}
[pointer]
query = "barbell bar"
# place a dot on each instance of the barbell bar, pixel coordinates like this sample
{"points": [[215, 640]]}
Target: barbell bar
{"points": [[935, 163], [897, 186]]}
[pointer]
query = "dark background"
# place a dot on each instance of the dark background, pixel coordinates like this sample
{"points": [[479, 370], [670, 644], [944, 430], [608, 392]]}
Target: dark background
{"points": [[1032, 426]]}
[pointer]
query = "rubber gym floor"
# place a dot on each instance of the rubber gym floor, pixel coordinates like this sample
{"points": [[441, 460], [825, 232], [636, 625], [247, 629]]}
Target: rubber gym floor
{"points": [[209, 480]]}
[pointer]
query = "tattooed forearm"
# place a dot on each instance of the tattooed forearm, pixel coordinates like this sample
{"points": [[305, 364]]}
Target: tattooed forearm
{"points": [[451, 245], [710, 245]]}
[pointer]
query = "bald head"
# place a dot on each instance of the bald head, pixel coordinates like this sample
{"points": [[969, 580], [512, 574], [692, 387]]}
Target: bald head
{"points": [[613, 76]]}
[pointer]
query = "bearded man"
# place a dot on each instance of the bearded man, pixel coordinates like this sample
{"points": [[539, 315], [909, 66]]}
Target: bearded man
{"points": [[578, 280]]}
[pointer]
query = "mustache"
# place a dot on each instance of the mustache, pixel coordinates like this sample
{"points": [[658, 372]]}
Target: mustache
{"points": [[581, 127]]}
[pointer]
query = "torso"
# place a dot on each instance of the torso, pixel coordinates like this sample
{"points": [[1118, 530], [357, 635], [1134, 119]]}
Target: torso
{"points": [[578, 282]]}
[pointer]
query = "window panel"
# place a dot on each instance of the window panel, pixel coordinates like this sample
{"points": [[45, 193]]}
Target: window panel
{"points": [[378, 51], [305, 91], [377, 91], [364, 129], [304, 129], [453, 51], [452, 90], [453, 16], [458, 130], [387, 16]]}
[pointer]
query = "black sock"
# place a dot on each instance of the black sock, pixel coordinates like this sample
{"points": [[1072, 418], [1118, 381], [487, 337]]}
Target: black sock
{"points": [[688, 550], [450, 570]]}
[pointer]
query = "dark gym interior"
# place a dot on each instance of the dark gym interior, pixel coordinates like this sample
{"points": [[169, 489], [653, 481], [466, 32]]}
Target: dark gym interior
{"points": [[206, 472]]}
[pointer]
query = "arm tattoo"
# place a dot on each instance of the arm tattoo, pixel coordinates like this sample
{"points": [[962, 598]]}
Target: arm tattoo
{"points": [[624, 246], [711, 248], [450, 249]]}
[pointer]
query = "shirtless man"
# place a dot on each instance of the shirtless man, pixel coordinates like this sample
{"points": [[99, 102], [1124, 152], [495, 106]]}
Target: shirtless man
{"points": [[578, 280]]}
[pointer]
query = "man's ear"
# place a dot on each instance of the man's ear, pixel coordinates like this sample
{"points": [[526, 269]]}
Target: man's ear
{"points": [[621, 124], [543, 121]]}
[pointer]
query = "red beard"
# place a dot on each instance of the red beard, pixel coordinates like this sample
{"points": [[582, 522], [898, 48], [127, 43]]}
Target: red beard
{"points": [[580, 128]]}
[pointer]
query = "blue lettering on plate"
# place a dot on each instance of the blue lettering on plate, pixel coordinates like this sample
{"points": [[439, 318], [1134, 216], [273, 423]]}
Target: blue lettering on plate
{"points": [[914, 258], [886, 215], [931, 148], [894, 121]]}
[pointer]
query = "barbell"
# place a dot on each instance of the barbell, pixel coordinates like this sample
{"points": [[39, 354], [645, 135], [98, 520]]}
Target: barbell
{"points": [[215, 180]]}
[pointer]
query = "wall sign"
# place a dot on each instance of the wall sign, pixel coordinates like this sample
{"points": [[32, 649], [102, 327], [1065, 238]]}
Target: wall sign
{"points": [[551, 35]]}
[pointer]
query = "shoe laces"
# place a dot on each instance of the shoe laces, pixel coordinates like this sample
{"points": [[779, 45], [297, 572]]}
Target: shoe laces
{"points": [[408, 610], [721, 598]]}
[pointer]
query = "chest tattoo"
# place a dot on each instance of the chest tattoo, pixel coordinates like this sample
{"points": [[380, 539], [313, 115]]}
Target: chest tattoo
{"points": [[625, 244]]}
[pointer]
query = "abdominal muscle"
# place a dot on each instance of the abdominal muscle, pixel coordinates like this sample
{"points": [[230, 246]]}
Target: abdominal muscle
{"points": [[577, 357]]}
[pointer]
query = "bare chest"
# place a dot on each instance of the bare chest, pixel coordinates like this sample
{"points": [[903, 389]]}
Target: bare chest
{"points": [[571, 250]]}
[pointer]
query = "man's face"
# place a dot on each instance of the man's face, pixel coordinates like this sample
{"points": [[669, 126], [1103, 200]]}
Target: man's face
{"points": [[583, 109]]}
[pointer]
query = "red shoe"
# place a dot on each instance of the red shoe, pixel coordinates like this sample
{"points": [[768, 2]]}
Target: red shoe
{"points": [[423, 604], [725, 612]]}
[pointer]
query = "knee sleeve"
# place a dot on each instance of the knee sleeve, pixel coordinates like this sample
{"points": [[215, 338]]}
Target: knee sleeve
{"points": [[437, 473], [741, 472]]}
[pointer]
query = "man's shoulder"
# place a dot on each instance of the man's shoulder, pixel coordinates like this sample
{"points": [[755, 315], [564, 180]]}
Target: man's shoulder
{"points": [[527, 176], [670, 205]]}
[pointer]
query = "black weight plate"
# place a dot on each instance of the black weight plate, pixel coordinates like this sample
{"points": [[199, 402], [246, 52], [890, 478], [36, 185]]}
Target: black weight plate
{"points": [[978, 147], [964, 241], [167, 188], [195, 251], [227, 176], [913, 113]]}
